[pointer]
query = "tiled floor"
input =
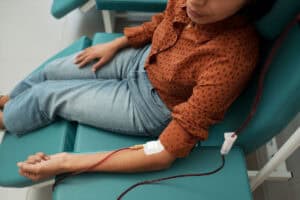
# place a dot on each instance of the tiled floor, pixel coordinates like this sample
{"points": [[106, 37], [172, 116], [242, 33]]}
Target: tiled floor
{"points": [[29, 35]]}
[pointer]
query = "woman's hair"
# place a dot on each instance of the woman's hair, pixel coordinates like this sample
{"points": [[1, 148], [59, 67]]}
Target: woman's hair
{"points": [[256, 9]]}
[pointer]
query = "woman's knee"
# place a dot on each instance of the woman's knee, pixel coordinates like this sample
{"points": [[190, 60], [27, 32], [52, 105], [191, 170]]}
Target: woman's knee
{"points": [[40, 92], [53, 70], [50, 70]]}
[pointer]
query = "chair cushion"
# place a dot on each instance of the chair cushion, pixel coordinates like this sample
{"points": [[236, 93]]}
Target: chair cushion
{"points": [[61, 8], [57, 137], [105, 37], [132, 5], [109, 185], [274, 22]]}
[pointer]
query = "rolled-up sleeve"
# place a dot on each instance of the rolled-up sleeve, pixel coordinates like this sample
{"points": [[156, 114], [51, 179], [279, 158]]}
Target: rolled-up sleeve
{"points": [[141, 35], [218, 85]]}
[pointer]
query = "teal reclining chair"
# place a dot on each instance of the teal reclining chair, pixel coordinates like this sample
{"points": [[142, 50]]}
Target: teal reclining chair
{"points": [[60, 8], [278, 106], [132, 5], [106, 6], [266, 124]]}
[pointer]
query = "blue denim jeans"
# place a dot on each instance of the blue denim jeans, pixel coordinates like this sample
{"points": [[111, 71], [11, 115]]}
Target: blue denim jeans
{"points": [[118, 97]]}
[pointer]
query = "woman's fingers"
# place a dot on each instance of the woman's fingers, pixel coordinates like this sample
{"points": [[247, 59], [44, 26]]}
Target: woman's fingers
{"points": [[85, 61], [31, 168], [42, 155], [29, 175], [84, 52], [38, 157], [87, 52], [82, 62], [98, 64], [80, 57], [33, 159]]}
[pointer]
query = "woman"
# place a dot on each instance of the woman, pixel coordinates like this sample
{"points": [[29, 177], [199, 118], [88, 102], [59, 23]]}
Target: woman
{"points": [[201, 57]]}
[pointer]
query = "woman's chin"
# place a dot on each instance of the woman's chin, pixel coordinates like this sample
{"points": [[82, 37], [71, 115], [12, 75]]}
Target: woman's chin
{"points": [[204, 20], [200, 20]]}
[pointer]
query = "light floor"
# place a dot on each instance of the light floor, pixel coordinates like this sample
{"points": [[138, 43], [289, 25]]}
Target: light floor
{"points": [[29, 35]]}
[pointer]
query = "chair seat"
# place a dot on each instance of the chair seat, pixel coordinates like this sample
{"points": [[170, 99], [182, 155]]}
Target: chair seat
{"points": [[61, 8], [57, 137], [94, 186], [132, 5]]}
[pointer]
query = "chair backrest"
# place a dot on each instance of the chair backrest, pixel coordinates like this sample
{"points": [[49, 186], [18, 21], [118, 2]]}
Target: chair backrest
{"points": [[132, 5], [280, 101], [271, 25], [61, 8]]}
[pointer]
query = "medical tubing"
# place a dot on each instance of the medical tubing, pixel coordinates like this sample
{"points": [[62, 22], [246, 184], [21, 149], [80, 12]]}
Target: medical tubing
{"points": [[58, 180], [264, 70], [66, 175], [171, 177]]}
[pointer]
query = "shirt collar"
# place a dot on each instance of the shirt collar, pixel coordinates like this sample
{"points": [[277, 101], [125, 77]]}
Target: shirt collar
{"points": [[180, 13]]}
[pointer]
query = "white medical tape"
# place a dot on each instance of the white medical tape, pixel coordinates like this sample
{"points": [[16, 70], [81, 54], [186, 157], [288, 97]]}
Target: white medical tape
{"points": [[230, 138], [153, 147]]}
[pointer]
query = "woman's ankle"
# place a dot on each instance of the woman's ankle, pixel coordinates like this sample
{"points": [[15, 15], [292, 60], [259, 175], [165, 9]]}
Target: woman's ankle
{"points": [[1, 121], [3, 100], [2, 127]]}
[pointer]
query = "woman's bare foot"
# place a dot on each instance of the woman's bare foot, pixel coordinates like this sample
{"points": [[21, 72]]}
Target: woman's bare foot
{"points": [[1, 120], [3, 100], [41, 166]]}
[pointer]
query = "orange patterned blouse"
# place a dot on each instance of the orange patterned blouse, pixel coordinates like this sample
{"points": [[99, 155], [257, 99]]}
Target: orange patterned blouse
{"points": [[197, 70]]}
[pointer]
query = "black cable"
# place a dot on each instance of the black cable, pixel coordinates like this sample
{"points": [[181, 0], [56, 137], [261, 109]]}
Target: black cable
{"points": [[171, 177]]}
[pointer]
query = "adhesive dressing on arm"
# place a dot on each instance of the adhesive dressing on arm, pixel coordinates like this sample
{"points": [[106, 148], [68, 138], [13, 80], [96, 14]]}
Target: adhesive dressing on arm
{"points": [[151, 147]]}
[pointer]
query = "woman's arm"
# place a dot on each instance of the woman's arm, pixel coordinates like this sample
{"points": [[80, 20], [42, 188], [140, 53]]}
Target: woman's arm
{"points": [[41, 166], [128, 161], [121, 42]]}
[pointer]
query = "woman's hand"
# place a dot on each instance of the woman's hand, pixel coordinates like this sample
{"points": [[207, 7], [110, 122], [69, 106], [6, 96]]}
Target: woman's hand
{"points": [[41, 166], [103, 52]]}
